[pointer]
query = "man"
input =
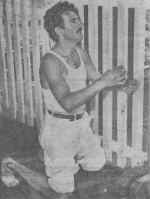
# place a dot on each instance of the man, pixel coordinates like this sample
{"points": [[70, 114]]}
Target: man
{"points": [[66, 137]]}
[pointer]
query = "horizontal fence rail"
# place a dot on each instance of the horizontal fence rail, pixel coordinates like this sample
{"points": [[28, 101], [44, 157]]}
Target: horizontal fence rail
{"points": [[114, 34]]}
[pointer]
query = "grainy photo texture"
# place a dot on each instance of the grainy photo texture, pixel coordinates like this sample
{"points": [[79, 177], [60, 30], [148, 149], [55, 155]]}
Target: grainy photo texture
{"points": [[74, 99]]}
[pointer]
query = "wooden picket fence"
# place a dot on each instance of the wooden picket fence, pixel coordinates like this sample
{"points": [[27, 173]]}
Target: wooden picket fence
{"points": [[114, 34]]}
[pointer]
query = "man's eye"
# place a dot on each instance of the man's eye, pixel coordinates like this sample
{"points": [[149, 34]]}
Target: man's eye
{"points": [[73, 20]]}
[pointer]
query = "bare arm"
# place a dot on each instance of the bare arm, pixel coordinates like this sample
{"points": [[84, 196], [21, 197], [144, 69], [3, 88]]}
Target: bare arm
{"points": [[129, 87], [52, 69], [67, 99], [92, 75]]}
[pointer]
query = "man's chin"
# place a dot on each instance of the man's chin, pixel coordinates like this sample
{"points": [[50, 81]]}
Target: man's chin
{"points": [[80, 38], [76, 40]]}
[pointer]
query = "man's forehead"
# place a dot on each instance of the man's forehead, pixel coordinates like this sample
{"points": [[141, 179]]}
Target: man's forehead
{"points": [[70, 14]]}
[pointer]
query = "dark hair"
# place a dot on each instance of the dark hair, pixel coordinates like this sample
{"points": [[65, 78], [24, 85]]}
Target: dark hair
{"points": [[53, 17]]}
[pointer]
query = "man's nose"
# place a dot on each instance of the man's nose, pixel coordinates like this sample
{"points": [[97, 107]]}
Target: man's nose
{"points": [[81, 24]]}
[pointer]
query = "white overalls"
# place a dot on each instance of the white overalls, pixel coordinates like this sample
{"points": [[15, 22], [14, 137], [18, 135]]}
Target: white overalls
{"points": [[65, 143]]}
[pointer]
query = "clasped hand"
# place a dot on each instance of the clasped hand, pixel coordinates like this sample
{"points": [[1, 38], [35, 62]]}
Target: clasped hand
{"points": [[118, 78], [130, 86], [114, 77]]}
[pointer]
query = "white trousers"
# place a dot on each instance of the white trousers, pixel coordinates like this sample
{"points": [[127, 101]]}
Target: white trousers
{"points": [[66, 144]]}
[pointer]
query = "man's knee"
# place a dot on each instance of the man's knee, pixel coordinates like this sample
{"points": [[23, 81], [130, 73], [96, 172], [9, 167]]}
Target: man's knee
{"points": [[62, 183], [94, 162]]}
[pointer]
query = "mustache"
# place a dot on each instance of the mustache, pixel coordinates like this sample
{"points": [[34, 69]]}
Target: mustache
{"points": [[79, 30]]}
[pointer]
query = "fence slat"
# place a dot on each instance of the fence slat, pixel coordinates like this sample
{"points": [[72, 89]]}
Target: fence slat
{"points": [[131, 24], [122, 98], [10, 61], [139, 49], [18, 61], [93, 51], [36, 65], [27, 64], [80, 6], [86, 33], [100, 67], [114, 65], [4, 85], [107, 64], [45, 41], [1, 57]]}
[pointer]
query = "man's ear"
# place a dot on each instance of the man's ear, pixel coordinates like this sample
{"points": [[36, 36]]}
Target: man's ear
{"points": [[58, 31]]}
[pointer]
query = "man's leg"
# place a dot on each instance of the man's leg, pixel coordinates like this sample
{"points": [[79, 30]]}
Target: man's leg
{"points": [[60, 172], [91, 155], [58, 143]]}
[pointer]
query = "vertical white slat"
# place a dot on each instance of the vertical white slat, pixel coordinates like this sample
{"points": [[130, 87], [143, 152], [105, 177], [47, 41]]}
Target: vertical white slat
{"points": [[44, 37], [80, 6], [3, 61], [40, 38], [93, 51], [27, 64], [107, 64], [18, 62], [45, 41], [122, 97], [139, 49], [10, 61], [147, 93], [36, 65]]}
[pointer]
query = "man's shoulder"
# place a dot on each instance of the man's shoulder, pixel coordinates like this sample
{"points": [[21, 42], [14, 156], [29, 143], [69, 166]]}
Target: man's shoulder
{"points": [[50, 63], [49, 57]]}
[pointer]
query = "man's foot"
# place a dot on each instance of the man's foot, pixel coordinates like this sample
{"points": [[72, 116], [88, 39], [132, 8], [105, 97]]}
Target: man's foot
{"points": [[7, 173]]}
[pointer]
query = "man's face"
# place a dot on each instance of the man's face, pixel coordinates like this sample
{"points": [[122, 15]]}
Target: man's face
{"points": [[72, 27]]}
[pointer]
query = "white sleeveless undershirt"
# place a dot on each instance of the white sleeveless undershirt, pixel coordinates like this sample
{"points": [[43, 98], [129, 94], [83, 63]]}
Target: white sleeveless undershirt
{"points": [[76, 80]]}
